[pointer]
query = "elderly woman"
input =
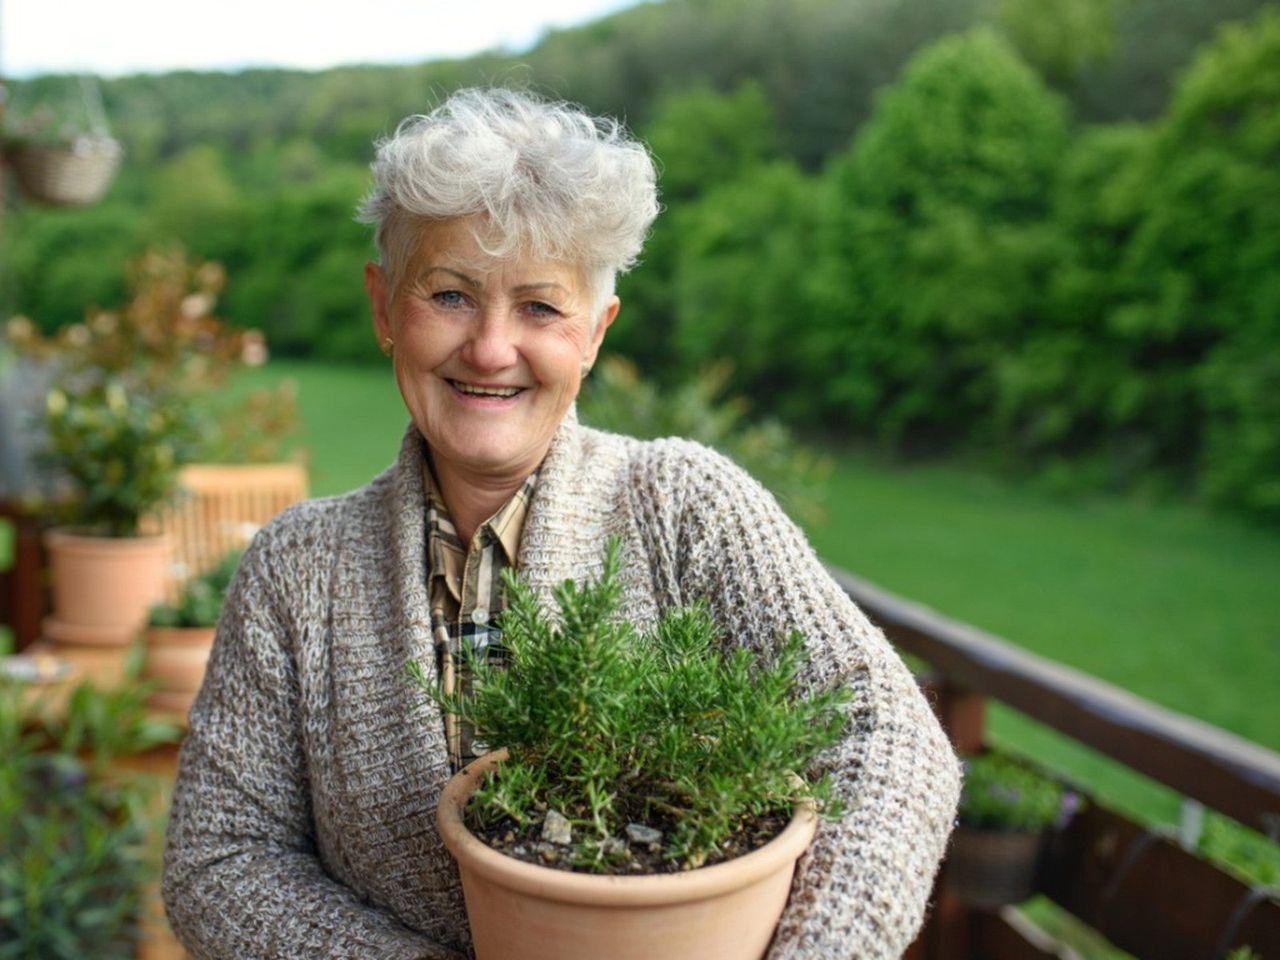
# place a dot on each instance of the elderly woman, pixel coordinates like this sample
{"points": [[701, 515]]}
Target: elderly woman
{"points": [[302, 821]]}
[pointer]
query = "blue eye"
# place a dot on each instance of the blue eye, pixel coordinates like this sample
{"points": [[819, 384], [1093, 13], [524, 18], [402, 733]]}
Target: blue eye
{"points": [[538, 308], [449, 298]]}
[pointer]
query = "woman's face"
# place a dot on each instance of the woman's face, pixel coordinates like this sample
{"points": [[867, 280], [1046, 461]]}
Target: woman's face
{"points": [[488, 354]]}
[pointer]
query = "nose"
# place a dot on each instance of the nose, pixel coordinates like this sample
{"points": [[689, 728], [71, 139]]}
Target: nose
{"points": [[491, 345]]}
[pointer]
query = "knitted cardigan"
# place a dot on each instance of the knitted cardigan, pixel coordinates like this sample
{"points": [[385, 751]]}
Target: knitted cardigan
{"points": [[302, 822]]}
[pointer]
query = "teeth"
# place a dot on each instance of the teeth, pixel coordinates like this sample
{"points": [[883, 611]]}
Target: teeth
{"points": [[475, 391]]}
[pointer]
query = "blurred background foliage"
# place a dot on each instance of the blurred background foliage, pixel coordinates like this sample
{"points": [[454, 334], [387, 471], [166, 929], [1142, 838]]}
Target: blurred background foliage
{"points": [[1041, 237]]}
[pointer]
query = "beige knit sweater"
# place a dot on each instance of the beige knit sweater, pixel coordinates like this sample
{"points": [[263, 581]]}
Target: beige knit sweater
{"points": [[302, 822]]}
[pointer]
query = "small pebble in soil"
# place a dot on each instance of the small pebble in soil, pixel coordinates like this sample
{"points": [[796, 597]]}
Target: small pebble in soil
{"points": [[645, 836], [615, 847], [548, 852], [557, 829]]}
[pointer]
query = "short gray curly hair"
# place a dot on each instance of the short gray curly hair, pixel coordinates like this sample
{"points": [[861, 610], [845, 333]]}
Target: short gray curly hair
{"points": [[549, 179]]}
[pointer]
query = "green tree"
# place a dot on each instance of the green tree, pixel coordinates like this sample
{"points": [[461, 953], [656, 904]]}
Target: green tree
{"points": [[1066, 401], [743, 252], [701, 140], [1061, 38], [1208, 247], [935, 247], [192, 193]]}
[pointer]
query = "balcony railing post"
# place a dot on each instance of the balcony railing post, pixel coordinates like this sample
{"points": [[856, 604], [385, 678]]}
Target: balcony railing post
{"points": [[961, 712], [949, 933]]}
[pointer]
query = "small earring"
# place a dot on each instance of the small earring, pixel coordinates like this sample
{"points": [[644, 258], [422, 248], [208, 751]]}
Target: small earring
{"points": [[388, 345]]}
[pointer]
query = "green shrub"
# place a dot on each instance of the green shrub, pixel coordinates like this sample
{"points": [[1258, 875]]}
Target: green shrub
{"points": [[75, 859], [608, 725], [616, 398]]}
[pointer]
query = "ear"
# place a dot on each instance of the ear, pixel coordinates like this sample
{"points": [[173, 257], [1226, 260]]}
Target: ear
{"points": [[375, 286], [603, 322]]}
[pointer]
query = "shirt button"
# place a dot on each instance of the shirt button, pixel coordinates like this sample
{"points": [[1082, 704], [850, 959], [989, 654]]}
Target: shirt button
{"points": [[479, 615]]}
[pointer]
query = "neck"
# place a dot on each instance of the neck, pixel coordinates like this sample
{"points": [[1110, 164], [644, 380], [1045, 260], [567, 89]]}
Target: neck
{"points": [[471, 499]]}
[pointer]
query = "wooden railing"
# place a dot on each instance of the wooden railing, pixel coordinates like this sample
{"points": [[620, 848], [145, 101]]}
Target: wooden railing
{"points": [[1136, 886]]}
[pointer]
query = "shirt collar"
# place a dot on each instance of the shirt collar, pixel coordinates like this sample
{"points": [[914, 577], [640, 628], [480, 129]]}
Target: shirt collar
{"points": [[503, 528]]}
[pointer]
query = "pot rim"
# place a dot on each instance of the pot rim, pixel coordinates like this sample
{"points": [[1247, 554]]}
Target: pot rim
{"points": [[606, 889], [85, 537], [180, 636]]}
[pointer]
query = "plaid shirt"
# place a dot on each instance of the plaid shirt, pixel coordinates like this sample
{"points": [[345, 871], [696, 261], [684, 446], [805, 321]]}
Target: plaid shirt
{"points": [[467, 595]]}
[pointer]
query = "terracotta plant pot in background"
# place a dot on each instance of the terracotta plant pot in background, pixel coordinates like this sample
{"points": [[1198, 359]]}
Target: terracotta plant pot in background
{"points": [[989, 869], [103, 586], [520, 910], [175, 660]]}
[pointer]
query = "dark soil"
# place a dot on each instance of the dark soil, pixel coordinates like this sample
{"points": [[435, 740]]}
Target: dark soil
{"points": [[632, 859]]}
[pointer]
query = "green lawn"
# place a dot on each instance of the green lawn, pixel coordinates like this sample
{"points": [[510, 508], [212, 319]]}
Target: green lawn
{"points": [[352, 419], [1176, 604]]}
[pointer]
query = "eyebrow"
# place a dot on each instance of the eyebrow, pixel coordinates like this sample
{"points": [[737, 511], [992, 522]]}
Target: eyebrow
{"points": [[449, 270], [543, 285], [472, 281]]}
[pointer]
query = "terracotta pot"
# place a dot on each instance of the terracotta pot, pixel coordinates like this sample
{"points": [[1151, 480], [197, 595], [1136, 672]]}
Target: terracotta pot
{"points": [[175, 660], [103, 586], [989, 869], [520, 910]]}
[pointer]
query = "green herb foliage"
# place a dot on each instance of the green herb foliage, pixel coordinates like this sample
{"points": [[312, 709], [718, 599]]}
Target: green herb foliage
{"points": [[611, 725], [1004, 794], [200, 601], [74, 860]]}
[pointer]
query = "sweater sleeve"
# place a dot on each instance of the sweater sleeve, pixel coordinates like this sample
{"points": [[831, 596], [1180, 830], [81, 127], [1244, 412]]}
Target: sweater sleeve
{"points": [[862, 888], [241, 876]]}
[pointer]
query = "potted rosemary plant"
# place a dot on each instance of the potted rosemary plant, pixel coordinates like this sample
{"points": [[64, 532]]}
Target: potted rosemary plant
{"points": [[1005, 811], [649, 799]]}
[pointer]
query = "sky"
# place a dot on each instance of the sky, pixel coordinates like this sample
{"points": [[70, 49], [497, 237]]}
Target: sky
{"points": [[114, 37]]}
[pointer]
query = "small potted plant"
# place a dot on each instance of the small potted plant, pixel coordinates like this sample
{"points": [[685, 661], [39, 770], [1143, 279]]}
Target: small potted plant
{"points": [[649, 800], [179, 637], [126, 409], [118, 449], [1005, 810]]}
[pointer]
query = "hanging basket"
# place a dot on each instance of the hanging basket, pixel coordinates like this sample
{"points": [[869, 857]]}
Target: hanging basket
{"points": [[71, 174]]}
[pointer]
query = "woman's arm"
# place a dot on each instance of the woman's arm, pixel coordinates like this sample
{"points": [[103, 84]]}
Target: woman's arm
{"points": [[241, 876], [862, 888]]}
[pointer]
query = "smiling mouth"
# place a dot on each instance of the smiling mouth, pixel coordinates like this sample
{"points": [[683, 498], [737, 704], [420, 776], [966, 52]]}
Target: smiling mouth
{"points": [[475, 390]]}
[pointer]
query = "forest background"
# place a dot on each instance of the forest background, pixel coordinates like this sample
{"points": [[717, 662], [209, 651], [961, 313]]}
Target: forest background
{"points": [[1039, 236]]}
